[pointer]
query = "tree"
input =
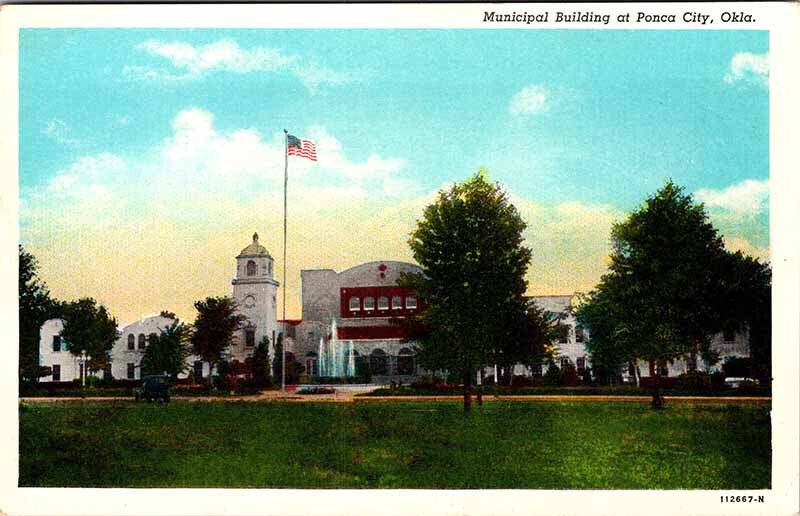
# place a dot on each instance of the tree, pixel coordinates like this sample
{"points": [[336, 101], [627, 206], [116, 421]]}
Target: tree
{"points": [[667, 290], [261, 364], [469, 244], [167, 353], [89, 327], [35, 307], [216, 323], [277, 364]]}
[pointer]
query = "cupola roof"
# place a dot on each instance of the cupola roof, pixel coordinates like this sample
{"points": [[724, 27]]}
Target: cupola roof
{"points": [[254, 249]]}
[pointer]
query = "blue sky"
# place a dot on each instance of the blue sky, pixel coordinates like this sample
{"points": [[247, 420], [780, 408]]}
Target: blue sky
{"points": [[124, 128]]}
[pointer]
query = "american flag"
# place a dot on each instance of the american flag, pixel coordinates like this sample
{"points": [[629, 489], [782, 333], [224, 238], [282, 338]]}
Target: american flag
{"points": [[301, 147]]}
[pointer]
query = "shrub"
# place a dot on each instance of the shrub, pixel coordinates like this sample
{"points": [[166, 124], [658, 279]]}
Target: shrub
{"points": [[554, 376], [737, 367], [694, 381]]}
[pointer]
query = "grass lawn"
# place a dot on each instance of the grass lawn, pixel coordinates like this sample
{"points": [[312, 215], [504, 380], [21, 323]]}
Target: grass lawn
{"points": [[392, 445]]}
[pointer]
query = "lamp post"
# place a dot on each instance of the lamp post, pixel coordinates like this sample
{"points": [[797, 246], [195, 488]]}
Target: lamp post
{"points": [[84, 362]]}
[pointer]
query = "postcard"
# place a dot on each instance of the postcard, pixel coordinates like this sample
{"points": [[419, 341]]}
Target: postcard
{"points": [[400, 258]]}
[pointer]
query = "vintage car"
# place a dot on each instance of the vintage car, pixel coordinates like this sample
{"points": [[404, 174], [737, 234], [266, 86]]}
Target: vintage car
{"points": [[154, 387]]}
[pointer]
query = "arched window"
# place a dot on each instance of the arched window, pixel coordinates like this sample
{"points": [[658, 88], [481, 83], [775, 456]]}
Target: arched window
{"points": [[411, 302], [405, 361], [383, 303], [142, 343], [369, 303], [578, 333], [397, 302], [377, 361], [269, 267], [151, 338], [251, 268], [131, 341], [355, 304]]}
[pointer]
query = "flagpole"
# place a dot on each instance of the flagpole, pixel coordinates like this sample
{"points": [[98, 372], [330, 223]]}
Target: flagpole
{"points": [[285, 186]]}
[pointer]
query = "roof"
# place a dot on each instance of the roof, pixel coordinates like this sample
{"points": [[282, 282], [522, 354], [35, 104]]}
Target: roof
{"points": [[254, 249]]}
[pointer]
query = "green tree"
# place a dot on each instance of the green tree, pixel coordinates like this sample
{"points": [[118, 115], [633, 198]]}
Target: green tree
{"points": [[167, 353], [261, 364], [35, 307], [89, 327], [216, 323], [277, 364], [469, 244], [666, 292]]}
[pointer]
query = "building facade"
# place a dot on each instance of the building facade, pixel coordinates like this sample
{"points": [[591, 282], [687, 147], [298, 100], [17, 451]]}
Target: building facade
{"points": [[346, 315]]}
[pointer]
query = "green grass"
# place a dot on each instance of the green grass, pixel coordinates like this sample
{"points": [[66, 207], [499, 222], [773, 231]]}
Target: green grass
{"points": [[391, 445]]}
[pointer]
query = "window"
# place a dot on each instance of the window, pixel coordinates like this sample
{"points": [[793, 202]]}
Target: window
{"points": [[198, 371], [369, 303], [377, 362], [728, 336], [536, 369], [563, 333], [355, 304], [251, 268], [249, 338], [397, 302], [564, 361], [141, 341], [578, 333], [131, 370], [131, 341], [411, 302], [383, 303], [580, 363], [405, 362], [152, 338], [663, 370], [141, 370], [56, 373], [56, 342]]}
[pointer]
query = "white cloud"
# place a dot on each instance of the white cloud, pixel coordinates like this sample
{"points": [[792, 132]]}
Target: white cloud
{"points": [[193, 62], [58, 131], [220, 55], [88, 177], [531, 100], [749, 67], [748, 197]]}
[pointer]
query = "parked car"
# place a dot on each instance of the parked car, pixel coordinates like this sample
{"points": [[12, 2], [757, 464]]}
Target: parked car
{"points": [[154, 387]]}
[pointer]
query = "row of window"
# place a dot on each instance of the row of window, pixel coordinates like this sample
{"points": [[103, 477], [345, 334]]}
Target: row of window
{"points": [[143, 341], [378, 362], [398, 303]]}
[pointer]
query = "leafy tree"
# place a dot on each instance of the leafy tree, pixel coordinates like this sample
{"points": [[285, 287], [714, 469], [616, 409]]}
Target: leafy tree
{"points": [[167, 353], [89, 327], [668, 286], [216, 323], [261, 364], [35, 307], [469, 244]]}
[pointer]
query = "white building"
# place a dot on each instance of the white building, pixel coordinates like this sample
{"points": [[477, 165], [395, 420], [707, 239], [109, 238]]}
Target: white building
{"points": [[254, 291]]}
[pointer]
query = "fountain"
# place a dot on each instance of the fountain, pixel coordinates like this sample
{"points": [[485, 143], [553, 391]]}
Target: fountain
{"points": [[335, 358]]}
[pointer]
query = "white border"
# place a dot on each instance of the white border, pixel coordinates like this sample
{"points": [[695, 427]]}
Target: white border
{"points": [[782, 20]]}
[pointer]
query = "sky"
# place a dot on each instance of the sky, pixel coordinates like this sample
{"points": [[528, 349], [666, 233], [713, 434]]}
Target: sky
{"points": [[148, 158]]}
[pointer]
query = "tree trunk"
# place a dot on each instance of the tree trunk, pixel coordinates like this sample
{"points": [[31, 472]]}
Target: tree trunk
{"points": [[467, 393], [479, 378], [658, 401]]}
